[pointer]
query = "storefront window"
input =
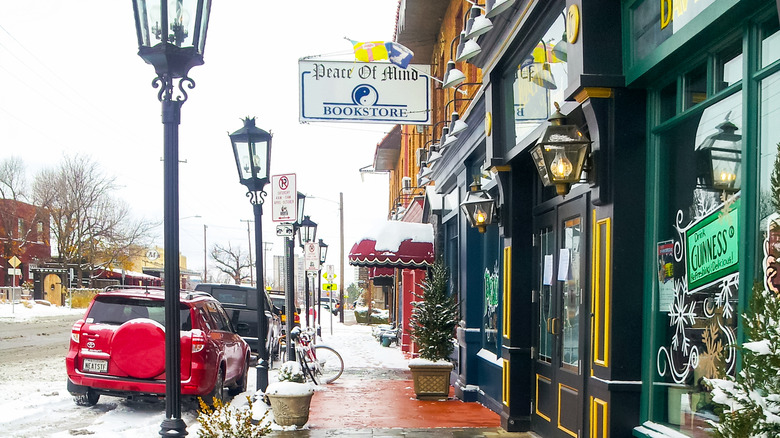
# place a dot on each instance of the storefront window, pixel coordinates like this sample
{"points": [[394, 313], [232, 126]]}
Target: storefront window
{"points": [[492, 293], [697, 263], [770, 43], [540, 80], [768, 246]]}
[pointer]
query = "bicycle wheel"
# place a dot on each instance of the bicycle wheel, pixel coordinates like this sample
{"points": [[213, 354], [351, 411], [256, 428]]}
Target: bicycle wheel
{"points": [[306, 365], [329, 364]]}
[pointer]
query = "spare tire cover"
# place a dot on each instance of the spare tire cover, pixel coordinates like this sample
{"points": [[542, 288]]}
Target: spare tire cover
{"points": [[138, 348]]}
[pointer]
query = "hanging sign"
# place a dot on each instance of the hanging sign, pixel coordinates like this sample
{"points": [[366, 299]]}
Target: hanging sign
{"points": [[311, 256], [284, 198], [712, 246], [375, 92]]}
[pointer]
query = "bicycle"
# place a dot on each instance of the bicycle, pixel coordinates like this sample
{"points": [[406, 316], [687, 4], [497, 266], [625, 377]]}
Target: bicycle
{"points": [[322, 364]]}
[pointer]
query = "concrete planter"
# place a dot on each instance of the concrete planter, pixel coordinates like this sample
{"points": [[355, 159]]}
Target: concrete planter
{"points": [[290, 402], [290, 410], [431, 380]]}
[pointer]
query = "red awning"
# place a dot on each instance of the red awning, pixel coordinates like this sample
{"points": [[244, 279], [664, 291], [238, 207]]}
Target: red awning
{"points": [[380, 272], [395, 244]]}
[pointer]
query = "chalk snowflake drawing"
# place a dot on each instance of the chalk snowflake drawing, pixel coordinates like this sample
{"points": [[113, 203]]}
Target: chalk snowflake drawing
{"points": [[678, 359], [681, 315]]}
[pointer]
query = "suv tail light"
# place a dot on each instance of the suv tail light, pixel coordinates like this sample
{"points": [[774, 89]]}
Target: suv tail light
{"points": [[297, 319], [75, 332], [198, 340]]}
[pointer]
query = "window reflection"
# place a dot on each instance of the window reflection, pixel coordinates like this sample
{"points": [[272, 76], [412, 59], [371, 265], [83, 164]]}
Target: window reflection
{"points": [[540, 79]]}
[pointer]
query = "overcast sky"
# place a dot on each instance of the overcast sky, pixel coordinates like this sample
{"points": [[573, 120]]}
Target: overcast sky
{"points": [[71, 82]]}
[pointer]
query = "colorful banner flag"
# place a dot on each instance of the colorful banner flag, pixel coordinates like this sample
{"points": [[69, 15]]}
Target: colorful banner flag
{"points": [[380, 50], [398, 54], [370, 51]]}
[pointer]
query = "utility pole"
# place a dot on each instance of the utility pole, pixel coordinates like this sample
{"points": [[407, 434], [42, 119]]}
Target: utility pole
{"points": [[249, 240], [341, 257]]}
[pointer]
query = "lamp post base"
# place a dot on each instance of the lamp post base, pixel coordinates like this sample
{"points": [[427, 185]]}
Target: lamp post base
{"points": [[262, 374], [173, 427]]}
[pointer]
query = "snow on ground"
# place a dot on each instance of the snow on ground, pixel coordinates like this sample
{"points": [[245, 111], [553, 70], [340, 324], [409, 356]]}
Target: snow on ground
{"points": [[46, 409], [27, 310]]}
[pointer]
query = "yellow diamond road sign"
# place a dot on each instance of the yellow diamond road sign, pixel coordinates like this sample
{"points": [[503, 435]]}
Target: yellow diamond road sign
{"points": [[14, 261]]}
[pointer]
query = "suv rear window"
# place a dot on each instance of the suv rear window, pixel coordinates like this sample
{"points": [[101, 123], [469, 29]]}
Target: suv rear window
{"points": [[230, 296], [118, 310]]}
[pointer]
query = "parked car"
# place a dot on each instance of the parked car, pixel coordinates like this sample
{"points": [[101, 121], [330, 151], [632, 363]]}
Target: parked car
{"points": [[278, 299], [118, 348], [240, 302]]}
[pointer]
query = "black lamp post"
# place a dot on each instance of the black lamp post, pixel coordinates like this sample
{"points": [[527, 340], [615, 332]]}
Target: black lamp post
{"points": [[252, 149], [289, 298], [306, 234], [323, 257], [172, 41]]}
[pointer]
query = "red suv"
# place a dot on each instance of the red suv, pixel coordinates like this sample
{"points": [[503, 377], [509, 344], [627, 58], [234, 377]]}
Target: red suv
{"points": [[118, 349]]}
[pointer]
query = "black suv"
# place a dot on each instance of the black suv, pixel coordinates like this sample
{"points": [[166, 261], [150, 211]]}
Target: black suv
{"points": [[240, 303]]}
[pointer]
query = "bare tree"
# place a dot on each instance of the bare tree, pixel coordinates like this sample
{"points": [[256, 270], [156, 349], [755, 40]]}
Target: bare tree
{"points": [[13, 184], [232, 261], [91, 228], [16, 222]]}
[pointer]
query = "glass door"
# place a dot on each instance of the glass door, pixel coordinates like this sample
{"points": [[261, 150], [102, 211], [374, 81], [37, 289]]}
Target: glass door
{"points": [[560, 247]]}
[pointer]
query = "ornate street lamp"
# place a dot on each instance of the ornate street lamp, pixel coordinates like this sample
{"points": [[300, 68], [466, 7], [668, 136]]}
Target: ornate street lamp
{"points": [[252, 149], [171, 37], [560, 154], [289, 297], [323, 257], [720, 158], [307, 230], [478, 207]]}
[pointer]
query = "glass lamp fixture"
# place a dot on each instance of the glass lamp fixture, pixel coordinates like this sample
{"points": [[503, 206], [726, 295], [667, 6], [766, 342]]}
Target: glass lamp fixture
{"points": [[495, 7], [425, 171], [720, 158], [301, 201], [171, 34], [252, 150], [453, 76], [323, 252], [307, 232], [477, 23], [478, 207], [560, 154]]}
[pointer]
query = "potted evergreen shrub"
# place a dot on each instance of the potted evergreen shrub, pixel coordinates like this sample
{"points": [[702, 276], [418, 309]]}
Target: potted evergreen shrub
{"points": [[433, 322], [290, 397]]}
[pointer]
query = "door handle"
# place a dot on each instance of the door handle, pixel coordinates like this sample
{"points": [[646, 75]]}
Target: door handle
{"points": [[554, 324]]}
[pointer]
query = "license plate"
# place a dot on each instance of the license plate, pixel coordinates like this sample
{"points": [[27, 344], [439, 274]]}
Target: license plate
{"points": [[94, 366]]}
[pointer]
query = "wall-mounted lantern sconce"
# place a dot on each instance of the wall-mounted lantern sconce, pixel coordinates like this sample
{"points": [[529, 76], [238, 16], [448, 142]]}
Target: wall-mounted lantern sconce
{"points": [[478, 206], [467, 49], [456, 124], [477, 24], [720, 158], [560, 154], [453, 76]]}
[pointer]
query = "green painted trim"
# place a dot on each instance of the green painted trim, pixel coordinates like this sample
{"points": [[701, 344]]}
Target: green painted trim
{"points": [[674, 43], [652, 207], [751, 114]]}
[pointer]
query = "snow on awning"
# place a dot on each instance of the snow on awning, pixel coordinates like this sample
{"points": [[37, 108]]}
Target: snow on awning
{"points": [[380, 272], [395, 244]]}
